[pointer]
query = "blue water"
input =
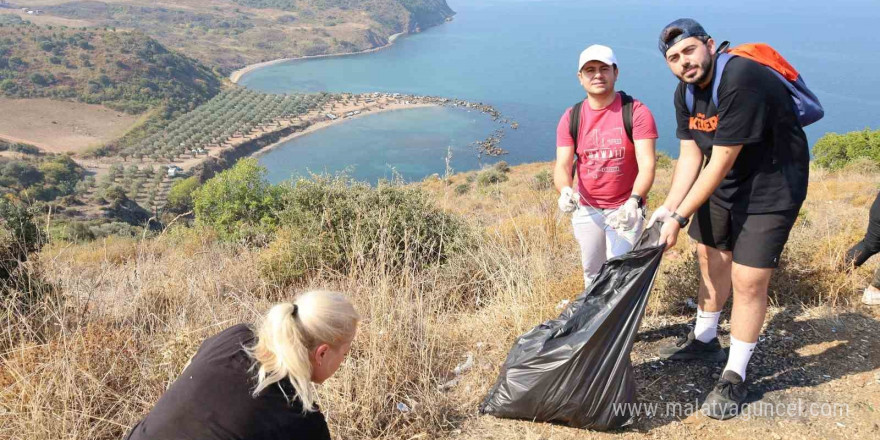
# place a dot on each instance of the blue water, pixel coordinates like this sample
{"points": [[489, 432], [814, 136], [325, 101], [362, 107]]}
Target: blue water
{"points": [[406, 144], [521, 55]]}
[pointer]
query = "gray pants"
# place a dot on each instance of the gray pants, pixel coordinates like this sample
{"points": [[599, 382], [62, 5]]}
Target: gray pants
{"points": [[598, 241]]}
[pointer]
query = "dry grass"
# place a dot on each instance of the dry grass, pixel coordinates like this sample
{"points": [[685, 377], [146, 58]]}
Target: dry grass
{"points": [[125, 314]]}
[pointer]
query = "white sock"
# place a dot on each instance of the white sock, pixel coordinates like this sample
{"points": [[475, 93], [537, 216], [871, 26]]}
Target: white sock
{"points": [[706, 327], [740, 353]]}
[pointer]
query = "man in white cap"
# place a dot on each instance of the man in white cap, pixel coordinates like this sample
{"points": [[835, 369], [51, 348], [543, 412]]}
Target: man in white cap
{"points": [[609, 137]]}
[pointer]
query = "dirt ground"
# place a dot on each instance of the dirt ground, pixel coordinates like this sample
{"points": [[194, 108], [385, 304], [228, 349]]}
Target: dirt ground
{"points": [[815, 374], [60, 126]]}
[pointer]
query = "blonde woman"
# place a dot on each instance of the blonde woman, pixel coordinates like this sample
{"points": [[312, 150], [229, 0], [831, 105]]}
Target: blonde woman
{"points": [[243, 384]]}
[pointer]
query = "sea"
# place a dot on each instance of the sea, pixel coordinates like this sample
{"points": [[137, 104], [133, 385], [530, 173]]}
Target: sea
{"points": [[520, 56]]}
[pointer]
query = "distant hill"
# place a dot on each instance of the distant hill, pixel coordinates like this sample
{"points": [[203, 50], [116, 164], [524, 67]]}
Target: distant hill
{"points": [[126, 71], [394, 15], [229, 34]]}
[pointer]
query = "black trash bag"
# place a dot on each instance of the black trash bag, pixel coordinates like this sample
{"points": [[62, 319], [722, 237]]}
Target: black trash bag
{"points": [[576, 369]]}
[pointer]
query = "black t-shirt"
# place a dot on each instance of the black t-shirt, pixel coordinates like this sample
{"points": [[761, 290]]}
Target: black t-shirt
{"points": [[211, 400], [755, 110]]}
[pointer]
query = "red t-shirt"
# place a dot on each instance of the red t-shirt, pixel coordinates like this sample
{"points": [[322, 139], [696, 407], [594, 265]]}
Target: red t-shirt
{"points": [[607, 166]]}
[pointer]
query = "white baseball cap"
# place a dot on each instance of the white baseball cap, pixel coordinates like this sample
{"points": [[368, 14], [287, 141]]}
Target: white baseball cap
{"points": [[597, 52]]}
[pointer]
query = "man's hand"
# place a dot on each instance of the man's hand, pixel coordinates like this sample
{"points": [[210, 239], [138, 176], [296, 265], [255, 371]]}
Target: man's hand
{"points": [[661, 214], [669, 233], [566, 200], [625, 217]]}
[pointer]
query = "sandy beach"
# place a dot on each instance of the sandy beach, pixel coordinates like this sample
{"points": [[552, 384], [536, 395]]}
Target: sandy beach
{"points": [[236, 75]]}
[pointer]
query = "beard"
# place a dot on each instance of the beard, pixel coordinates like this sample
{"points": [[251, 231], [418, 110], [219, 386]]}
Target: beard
{"points": [[705, 69]]}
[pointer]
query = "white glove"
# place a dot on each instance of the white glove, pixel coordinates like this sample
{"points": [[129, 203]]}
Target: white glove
{"points": [[625, 217], [661, 214], [566, 200]]}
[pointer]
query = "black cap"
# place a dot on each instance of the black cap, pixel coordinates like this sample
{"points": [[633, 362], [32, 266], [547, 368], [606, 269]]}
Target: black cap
{"points": [[685, 28]]}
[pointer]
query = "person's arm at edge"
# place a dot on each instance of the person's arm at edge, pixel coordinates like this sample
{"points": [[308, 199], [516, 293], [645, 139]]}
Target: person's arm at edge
{"points": [[687, 168], [562, 168], [719, 165], [646, 157]]}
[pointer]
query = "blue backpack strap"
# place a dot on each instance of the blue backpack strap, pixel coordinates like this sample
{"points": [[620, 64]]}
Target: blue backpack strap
{"points": [[689, 98], [720, 62]]}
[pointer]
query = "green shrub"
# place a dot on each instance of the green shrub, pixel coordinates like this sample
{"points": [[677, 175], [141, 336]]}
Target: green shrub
{"points": [[542, 181], [20, 174], [501, 166], [180, 197], [39, 79], [78, 232], [834, 151], [239, 203], [462, 188], [340, 224], [115, 228], [19, 237], [62, 172], [491, 176], [114, 195]]}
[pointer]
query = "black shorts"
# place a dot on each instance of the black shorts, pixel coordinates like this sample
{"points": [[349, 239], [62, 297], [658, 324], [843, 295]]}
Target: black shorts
{"points": [[756, 240]]}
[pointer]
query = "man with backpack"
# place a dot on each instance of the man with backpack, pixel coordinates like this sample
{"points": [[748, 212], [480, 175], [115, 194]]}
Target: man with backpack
{"points": [[610, 138], [740, 115]]}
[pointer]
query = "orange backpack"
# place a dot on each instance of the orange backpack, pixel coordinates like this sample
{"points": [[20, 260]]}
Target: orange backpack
{"points": [[806, 104]]}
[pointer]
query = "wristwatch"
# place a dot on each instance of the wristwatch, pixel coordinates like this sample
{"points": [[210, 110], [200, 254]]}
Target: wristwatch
{"points": [[639, 199], [682, 221]]}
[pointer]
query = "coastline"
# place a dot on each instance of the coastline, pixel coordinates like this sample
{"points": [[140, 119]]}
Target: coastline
{"points": [[327, 123], [238, 74]]}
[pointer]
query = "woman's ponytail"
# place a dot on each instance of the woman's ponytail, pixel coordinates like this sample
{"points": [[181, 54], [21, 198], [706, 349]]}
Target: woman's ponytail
{"points": [[288, 333]]}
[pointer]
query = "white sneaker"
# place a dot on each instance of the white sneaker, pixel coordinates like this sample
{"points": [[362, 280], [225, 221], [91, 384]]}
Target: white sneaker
{"points": [[871, 296]]}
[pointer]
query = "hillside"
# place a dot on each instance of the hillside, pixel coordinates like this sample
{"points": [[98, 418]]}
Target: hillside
{"points": [[90, 348], [230, 34], [125, 71]]}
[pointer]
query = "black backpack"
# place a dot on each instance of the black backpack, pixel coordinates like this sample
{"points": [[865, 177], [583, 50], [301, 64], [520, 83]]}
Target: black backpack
{"points": [[575, 121]]}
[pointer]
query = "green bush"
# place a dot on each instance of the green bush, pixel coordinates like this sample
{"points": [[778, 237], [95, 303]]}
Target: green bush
{"points": [[63, 172], [76, 232], [39, 79], [114, 195], [462, 189], [180, 197], [542, 181], [491, 176], [19, 237], [115, 228], [834, 151], [501, 166], [340, 224], [239, 203]]}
